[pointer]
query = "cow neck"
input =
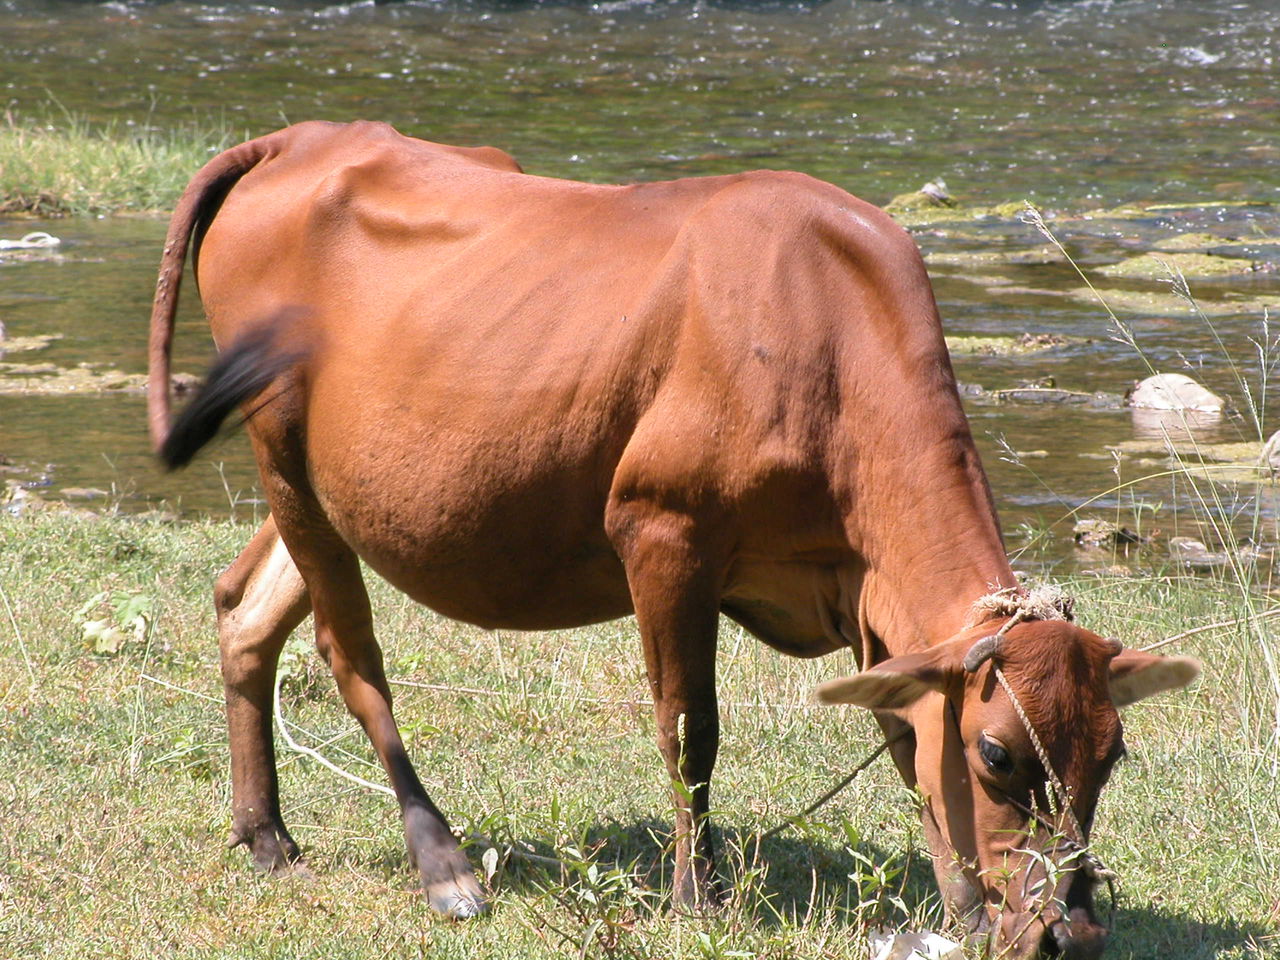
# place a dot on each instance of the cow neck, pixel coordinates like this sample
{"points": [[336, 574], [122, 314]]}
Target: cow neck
{"points": [[930, 556]]}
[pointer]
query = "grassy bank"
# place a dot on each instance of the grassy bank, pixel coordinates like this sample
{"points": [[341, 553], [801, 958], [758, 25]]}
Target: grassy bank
{"points": [[116, 793], [65, 165]]}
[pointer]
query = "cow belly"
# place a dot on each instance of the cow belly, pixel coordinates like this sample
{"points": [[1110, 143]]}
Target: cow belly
{"points": [[499, 534]]}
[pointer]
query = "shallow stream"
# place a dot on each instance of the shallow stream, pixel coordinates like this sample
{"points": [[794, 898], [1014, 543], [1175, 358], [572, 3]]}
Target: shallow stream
{"points": [[1131, 124]]}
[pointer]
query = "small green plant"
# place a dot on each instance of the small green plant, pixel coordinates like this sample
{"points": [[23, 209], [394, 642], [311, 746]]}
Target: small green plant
{"points": [[121, 618], [593, 908]]}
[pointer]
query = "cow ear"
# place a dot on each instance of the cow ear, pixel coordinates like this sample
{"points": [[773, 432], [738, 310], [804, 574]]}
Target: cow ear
{"points": [[897, 682], [1136, 675]]}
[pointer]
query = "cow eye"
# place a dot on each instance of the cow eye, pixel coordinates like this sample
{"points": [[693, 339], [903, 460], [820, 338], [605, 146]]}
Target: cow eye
{"points": [[994, 756]]}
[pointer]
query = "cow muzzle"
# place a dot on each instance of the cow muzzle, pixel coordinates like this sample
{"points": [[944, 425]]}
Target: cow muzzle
{"points": [[1076, 936], [1064, 925]]}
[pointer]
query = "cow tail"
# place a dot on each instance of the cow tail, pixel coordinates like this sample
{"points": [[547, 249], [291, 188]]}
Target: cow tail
{"points": [[252, 362], [199, 200]]}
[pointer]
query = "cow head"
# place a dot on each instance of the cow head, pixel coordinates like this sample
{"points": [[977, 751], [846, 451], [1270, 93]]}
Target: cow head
{"points": [[1006, 864]]}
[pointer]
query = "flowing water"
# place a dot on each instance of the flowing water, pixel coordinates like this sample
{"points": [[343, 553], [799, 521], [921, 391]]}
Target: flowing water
{"points": [[1078, 106]]}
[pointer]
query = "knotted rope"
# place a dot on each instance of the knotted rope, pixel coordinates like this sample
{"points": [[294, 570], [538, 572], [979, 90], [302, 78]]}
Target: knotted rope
{"points": [[1046, 602]]}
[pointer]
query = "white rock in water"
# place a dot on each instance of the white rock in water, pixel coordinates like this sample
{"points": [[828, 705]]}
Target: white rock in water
{"points": [[886, 945], [1174, 391], [31, 241], [1271, 453]]}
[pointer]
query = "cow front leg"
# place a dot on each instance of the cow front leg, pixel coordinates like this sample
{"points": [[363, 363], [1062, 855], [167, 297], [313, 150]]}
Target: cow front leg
{"points": [[676, 595], [259, 600]]}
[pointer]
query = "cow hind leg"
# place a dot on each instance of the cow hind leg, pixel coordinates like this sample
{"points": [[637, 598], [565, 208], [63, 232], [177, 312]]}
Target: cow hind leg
{"points": [[259, 600], [344, 636], [675, 590]]}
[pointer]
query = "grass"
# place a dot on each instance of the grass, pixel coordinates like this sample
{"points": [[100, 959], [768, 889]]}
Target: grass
{"points": [[116, 792], [63, 165]]}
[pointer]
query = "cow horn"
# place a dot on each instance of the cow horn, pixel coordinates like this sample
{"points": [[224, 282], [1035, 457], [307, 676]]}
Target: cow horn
{"points": [[1114, 646], [981, 652]]}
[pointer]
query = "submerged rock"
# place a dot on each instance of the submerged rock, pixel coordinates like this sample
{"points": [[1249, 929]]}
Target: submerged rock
{"points": [[1190, 450], [83, 493], [1190, 241], [1145, 211], [19, 344], [1226, 463], [1005, 346], [1042, 395], [1162, 425], [1194, 554], [1160, 266], [1174, 391], [86, 378], [1033, 256], [1158, 302], [1211, 241], [912, 211]]}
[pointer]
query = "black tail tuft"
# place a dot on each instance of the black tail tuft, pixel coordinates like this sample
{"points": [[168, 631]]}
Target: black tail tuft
{"points": [[242, 371]]}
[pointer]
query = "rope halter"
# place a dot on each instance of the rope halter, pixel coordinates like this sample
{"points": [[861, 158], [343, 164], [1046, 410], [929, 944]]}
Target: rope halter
{"points": [[1041, 603]]}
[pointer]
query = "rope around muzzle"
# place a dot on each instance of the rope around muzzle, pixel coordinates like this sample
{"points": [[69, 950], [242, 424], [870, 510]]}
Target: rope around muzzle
{"points": [[1041, 603]]}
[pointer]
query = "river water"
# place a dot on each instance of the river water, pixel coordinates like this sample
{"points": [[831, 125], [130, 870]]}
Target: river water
{"points": [[1080, 107]]}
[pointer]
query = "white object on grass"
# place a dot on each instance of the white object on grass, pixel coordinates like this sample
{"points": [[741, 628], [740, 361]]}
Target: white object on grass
{"points": [[887, 945]]}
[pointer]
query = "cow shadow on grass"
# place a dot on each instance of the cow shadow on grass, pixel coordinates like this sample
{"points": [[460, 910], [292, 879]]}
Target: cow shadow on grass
{"points": [[783, 879], [776, 879], [1141, 932]]}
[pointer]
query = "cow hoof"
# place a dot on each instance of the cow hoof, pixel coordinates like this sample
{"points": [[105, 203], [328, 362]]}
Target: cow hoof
{"points": [[273, 850], [459, 898], [704, 900]]}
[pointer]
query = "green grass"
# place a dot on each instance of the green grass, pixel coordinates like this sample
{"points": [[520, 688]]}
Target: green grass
{"points": [[115, 793], [61, 164]]}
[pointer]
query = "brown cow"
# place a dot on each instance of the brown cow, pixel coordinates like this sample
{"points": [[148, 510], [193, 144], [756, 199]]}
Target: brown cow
{"points": [[531, 403]]}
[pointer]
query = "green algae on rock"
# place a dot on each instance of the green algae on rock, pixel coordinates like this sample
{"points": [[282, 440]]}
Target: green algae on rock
{"points": [[1161, 302], [924, 216], [19, 344], [51, 380], [1227, 463], [1006, 346], [1150, 266], [1146, 211], [1240, 452], [1035, 256]]}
